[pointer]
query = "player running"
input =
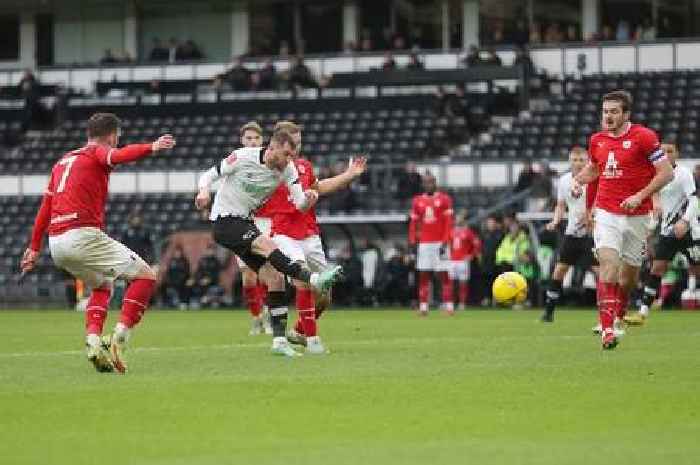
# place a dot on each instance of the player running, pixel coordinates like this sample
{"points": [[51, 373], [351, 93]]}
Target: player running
{"points": [[254, 290], [630, 166], [464, 246], [679, 218], [73, 210], [429, 226], [298, 235], [251, 175], [577, 245]]}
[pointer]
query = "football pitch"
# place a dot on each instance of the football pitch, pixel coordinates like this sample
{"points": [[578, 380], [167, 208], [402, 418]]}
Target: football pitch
{"points": [[483, 387]]}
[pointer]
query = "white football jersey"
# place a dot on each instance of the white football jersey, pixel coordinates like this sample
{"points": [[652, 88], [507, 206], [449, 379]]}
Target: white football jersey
{"points": [[674, 199], [575, 206], [247, 182]]}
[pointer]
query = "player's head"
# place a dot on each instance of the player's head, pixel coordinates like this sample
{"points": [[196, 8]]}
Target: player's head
{"points": [[461, 217], [251, 134], [578, 157], [429, 183], [671, 151], [104, 128], [280, 150], [617, 106], [294, 130]]}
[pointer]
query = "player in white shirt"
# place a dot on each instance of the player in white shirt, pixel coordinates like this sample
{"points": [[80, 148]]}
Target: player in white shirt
{"points": [[250, 176], [679, 232], [577, 245]]}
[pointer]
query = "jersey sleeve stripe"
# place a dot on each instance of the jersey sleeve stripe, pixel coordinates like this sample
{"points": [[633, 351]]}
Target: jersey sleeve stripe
{"points": [[657, 156]]}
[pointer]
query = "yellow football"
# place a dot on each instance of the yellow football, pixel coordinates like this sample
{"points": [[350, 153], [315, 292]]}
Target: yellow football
{"points": [[509, 288]]}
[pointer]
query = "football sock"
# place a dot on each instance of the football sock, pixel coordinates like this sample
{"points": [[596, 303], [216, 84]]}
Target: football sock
{"points": [[651, 289], [262, 293], [252, 299], [622, 301], [136, 300], [285, 265], [423, 286], [299, 326], [691, 282], [446, 288], [552, 296], [463, 292], [278, 302], [307, 313], [96, 311], [607, 304]]}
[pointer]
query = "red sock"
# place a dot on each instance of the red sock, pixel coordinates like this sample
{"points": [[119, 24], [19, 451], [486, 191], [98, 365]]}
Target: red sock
{"points": [[446, 287], [136, 300], [463, 292], [607, 304], [262, 293], [307, 312], [252, 300], [96, 311], [623, 301], [299, 326], [423, 286]]}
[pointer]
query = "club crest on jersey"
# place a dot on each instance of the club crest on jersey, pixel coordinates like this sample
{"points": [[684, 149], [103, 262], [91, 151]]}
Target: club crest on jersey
{"points": [[626, 144]]}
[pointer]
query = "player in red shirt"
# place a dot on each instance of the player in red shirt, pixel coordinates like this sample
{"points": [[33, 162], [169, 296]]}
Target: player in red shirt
{"points": [[464, 246], [255, 290], [73, 211], [429, 227], [630, 166], [297, 234]]}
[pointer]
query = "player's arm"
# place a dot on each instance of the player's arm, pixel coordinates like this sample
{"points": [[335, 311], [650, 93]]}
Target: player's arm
{"points": [[41, 224], [559, 211], [225, 167], [663, 175], [302, 200], [413, 222], [356, 168], [134, 152], [587, 175]]}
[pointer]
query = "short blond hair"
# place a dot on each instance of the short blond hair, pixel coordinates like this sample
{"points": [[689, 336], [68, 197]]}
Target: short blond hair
{"points": [[578, 150], [251, 126], [287, 126]]}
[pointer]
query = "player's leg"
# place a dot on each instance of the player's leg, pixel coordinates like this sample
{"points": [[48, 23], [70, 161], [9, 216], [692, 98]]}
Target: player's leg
{"points": [[464, 275], [316, 261], [608, 236], [554, 291], [265, 227], [249, 282], [447, 285], [278, 301], [304, 298], [426, 263]]}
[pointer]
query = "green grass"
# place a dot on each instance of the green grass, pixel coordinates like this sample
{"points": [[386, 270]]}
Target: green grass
{"points": [[484, 387]]}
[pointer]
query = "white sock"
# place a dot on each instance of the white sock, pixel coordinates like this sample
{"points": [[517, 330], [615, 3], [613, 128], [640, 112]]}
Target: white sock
{"points": [[644, 310], [423, 307], [93, 340], [122, 331], [449, 306], [276, 341], [313, 340], [691, 282]]}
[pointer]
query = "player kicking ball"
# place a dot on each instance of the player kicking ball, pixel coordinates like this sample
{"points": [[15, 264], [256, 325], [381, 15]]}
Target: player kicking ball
{"points": [[630, 166], [250, 176], [679, 218], [73, 210], [577, 245]]}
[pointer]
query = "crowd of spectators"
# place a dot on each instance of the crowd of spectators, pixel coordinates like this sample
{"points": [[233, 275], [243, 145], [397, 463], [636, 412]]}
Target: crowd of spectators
{"points": [[241, 77], [174, 50]]}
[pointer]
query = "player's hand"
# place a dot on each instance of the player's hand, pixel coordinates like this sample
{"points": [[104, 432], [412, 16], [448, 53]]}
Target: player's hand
{"points": [[443, 251], [576, 189], [29, 259], [631, 202], [680, 229], [164, 142], [357, 166], [311, 196], [202, 200], [586, 219], [551, 226]]}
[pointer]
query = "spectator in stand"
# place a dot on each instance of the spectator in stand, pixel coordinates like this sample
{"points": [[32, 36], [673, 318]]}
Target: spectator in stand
{"points": [[155, 88], [527, 266], [177, 282], [366, 45], [623, 32], [606, 33], [389, 63], [646, 31], [498, 33], [29, 89], [666, 28], [572, 33], [190, 51], [535, 34], [396, 285], [409, 183], [173, 50], [238, 76], [159, 52], [345, 291], [398, 43], [520, 34], [300, 74], [553, 34], [513, 245], [284, 49], [414, 62], [492, 235], [525, 178], [493, 58], [206, 290], [139, 238], [268, 75], [472, 58], [108, 57]]}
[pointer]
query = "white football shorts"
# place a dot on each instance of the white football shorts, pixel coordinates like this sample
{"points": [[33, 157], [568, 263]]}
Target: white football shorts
{"points": [[460, 270], [429, 258], [93, 257], [625, 234], [308, 250]]}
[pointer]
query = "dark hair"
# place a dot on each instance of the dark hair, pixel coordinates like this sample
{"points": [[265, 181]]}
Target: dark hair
{"points": [[621, 96], [102, 124], [283, 137]]}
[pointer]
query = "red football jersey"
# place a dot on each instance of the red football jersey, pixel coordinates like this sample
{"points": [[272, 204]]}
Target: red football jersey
{"points": [[626, 166], [464, 243], [286, 219], [431, 218]]}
